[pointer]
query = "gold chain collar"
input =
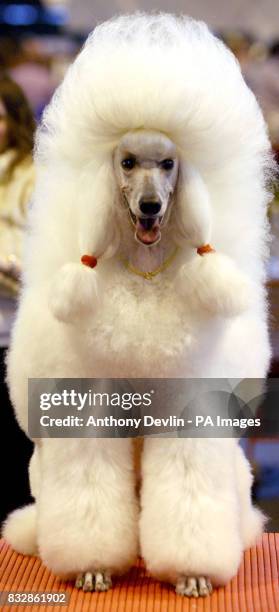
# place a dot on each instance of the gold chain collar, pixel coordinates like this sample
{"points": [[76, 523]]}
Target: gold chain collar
{"points": [[153, 273]]}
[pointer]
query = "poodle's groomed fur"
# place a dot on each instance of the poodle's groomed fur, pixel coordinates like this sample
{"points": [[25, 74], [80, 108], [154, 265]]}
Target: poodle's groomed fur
{"points": [[152, 142]]}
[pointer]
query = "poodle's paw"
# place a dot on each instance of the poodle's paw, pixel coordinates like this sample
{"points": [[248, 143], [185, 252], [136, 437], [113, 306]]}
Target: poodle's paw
{"points": [[192, 586], [94, 581]]}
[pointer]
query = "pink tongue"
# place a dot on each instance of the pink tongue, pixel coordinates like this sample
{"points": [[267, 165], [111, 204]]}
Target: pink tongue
{"points": [[147, 236]]}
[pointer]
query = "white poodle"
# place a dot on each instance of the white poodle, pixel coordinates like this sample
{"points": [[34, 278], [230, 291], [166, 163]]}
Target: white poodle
{"points": [[152, 153]]}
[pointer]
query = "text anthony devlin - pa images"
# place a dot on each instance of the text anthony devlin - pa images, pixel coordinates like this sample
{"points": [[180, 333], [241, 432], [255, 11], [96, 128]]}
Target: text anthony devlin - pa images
{"points": [[199, 421], [173, 421]]}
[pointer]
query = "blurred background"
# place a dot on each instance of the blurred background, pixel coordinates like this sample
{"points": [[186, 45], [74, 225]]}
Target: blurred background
{"points": [[38, 40]]}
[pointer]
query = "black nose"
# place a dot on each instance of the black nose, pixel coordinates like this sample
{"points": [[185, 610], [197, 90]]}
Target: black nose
{"points": [[149, 208]]}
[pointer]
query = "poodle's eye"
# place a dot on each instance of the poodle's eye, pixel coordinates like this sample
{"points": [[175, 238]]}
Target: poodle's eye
{"points": [[167, 164], [128, 163]]}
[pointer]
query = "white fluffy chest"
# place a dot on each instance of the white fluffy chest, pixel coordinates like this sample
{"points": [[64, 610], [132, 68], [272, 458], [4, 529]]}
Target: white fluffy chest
{"points": [[143, 328]]}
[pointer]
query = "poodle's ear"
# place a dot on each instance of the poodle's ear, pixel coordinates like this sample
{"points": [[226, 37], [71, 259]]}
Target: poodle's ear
{"points": [[210, 280], [98, 232], [192, 211], [75, 290]]}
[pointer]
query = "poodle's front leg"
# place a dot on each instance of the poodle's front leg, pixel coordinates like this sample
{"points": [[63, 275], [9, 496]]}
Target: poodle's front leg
{"points": [[87, 509], [190, 525]]}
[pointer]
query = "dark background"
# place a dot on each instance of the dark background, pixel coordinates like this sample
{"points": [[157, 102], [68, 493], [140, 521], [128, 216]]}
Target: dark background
{"points": [[15, 452]]}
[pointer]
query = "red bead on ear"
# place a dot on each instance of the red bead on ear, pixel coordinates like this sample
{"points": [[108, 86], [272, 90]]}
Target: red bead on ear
{"points": [[205, 248], [89, 260]]}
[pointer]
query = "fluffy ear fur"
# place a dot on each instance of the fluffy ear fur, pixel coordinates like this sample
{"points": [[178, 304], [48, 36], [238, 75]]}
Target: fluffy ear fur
{"points": [[74, 293], [192, 211], [213, 280], [98, 232], [213, 283], [75, 289]]}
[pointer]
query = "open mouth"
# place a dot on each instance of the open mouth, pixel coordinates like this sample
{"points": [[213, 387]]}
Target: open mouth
{"points": [[147, 229]]}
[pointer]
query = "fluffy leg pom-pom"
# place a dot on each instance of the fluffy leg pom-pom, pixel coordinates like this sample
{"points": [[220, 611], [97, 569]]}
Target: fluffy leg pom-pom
{"points": [[74, 293], [19, 530], [214, 283]]}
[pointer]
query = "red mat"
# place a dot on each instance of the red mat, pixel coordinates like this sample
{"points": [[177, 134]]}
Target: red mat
{"points": [[255, 589]]}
